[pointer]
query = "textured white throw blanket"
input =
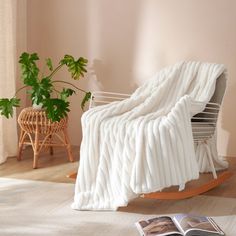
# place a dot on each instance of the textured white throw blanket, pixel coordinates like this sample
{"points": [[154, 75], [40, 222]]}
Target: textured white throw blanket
{"points": [[144, 143]]}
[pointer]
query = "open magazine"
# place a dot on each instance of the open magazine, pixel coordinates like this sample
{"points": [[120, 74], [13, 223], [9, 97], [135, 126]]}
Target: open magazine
{"points": [[181, 224]]}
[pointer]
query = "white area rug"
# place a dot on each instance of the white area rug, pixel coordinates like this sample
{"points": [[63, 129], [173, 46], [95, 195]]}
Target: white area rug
{"points": [[43, 208]]}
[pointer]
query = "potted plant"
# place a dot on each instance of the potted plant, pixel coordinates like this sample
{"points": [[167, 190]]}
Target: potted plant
{"points": [[41, 87]]}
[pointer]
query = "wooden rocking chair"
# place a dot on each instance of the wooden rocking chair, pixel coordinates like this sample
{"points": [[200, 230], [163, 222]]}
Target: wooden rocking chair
{"points": [[203, 128]]}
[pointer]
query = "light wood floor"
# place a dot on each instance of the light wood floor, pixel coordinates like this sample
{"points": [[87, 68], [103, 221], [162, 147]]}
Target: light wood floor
{"points": [[55, 169], [51, 168]]}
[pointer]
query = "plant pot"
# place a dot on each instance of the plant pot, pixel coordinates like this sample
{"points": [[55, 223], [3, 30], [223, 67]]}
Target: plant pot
{"points": [[37, 106]]}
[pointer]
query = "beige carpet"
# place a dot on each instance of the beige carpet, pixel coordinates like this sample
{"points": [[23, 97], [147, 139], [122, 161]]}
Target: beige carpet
{"points": [[43, 208]]}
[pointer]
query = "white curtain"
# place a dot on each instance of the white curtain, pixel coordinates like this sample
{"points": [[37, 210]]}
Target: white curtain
{"points": [[8, 127]]}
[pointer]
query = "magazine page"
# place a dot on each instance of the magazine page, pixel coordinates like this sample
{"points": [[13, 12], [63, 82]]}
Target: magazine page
{"points": [[158, 226], [191, 223], [216, 226]]}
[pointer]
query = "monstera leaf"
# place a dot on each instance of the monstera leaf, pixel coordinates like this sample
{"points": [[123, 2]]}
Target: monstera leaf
{"points": [[7, 105], [56, 108], [75, 67], [41, 90], [86, 98], [49, 64], [65, 93], [29, 69]]}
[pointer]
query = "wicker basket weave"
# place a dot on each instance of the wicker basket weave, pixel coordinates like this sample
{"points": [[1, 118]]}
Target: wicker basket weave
{"points": [[31, 119], [40, 131]]}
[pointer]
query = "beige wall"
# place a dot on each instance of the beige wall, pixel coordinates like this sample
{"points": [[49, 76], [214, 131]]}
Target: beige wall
{"points": [[128, 41]]}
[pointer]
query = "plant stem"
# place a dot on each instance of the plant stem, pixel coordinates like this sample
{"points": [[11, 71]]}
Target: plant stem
{"points": [[61, 81], [57, 91], [55, 70], [18, 90]]}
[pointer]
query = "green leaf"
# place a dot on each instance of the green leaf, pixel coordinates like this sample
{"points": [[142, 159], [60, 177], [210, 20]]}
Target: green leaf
{"points": [[77, 68], [29, 69], [41, 90], [34, 56], [86, 98], [49, 64], [56, 108], [46, 83], [66, 93], [7, 105]]}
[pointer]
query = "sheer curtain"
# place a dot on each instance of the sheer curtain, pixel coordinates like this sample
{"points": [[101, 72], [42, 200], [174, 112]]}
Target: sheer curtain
{"points": [[8, 127]]}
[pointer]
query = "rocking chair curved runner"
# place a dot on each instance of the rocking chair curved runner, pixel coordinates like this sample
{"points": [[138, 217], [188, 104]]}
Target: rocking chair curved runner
{"points": [[203, 128]]}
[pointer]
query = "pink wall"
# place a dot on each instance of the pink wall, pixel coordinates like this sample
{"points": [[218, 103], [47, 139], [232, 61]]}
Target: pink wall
{"points": [[128, 41], [21, 46]]}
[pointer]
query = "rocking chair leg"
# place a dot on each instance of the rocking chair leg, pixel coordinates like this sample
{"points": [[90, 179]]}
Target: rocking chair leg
{"points": [[187, 193]]}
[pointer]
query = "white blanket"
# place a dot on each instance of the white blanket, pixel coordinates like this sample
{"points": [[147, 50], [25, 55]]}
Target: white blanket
{"points": [[144, 143]]}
